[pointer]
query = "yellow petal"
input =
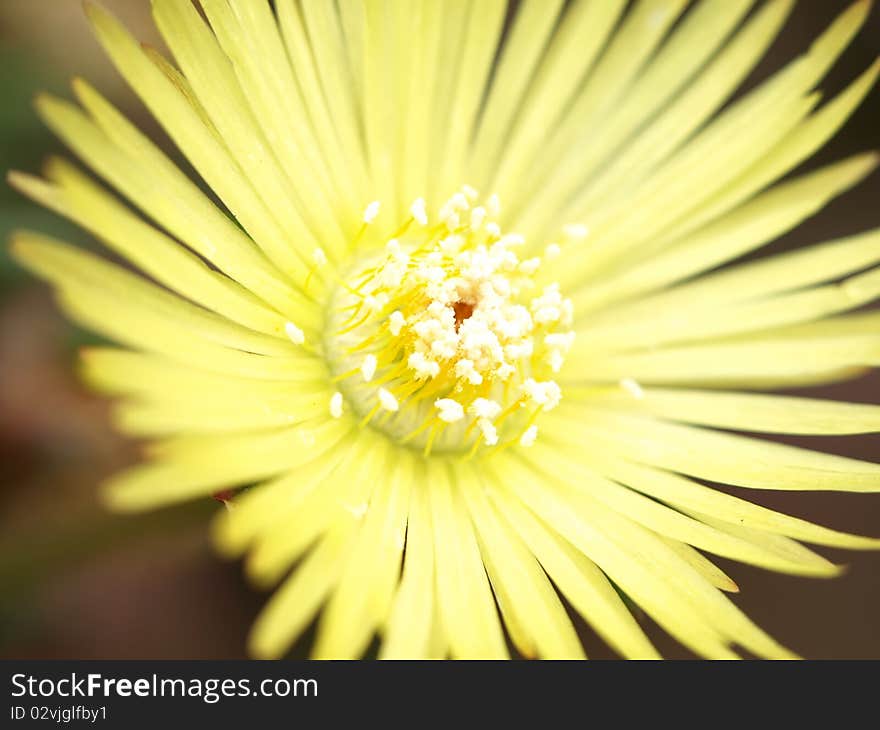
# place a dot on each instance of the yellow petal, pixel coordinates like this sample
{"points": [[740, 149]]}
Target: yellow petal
{"points": [[79, 199], [464, 597], [702, 565], [572, 50], [579, 580], [267, 504], [690, 495], [737, 363], [612, 545], [294, 604], [668, 72], [339, 504], [747, 547], [318, 56], [249, 36], [722, 457], [536, 620], [735, 234], [360, 603], [80, 275], [749, 411], [635, 558], [413, 620], [183, 123], [532, 28], [193, 466], [702, 97]]}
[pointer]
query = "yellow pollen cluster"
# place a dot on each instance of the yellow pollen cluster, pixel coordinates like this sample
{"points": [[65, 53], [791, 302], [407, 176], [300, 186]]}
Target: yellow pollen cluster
{"points": [[444, 340]]}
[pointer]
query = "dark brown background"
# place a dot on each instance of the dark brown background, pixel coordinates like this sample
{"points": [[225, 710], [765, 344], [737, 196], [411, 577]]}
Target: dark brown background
{"points": [[78, 582]]}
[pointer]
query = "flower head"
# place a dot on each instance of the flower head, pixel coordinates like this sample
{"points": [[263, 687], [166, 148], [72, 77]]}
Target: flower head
{"points": [[449, 317], [457, 315]]}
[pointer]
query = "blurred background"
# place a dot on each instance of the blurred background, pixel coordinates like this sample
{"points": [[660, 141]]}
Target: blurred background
{"points": [[78, 582]]}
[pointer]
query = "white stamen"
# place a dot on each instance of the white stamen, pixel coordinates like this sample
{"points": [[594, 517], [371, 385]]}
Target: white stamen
{"points": [[576, 230], [388, 401], [296, 335], [632, 387], [465, 369], [478, 215], [559, 340], [512, 239], [528, 438], [493, 229], [422, 366], [567, 313], [450, 410], [549, 307], [375, 303], [490, 433], [558, 344], [418, 211], [485, 408], [494, 205], [463, 310], [459, 202], [451, 244], [396, 322], [336, 405], [371, 211], [546, 394], [368, 369]]}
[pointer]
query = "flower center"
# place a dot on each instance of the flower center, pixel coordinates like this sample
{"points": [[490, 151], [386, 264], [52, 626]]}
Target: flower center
{"points": [[443, 340], [462, 310]]}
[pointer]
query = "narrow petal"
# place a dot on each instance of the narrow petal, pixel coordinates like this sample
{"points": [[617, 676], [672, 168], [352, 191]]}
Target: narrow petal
{"points": [[338, 504], [579, 580], [522, 51], [722, 457], [268, 503], [702, 565], [74, 271], [297, 601], [573, 49], [674, 125], [200, 143], [657, 590], [729, 237], [533, 614], [749, 411], [749, 547], [361, 600], [778, 359], [467, 608], [193, 466], [413, 621], [79, 199], [630, 554], [250, 38]]}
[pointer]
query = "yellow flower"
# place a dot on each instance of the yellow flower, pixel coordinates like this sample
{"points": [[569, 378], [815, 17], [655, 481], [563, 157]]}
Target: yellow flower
{"points": [[454, 314]]}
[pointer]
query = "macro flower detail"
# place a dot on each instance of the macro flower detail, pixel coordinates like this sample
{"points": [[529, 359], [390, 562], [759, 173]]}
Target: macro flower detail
{"points": [[433, 331], [462, 330]]}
